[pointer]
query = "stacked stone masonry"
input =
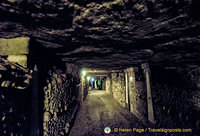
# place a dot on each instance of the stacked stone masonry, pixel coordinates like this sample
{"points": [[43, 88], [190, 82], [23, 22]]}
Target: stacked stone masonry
{"points": [[118, 87], [60, 103], [136, 89]]}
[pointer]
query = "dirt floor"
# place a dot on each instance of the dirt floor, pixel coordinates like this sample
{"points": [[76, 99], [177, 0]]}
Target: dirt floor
{"points": [[100, 110]]}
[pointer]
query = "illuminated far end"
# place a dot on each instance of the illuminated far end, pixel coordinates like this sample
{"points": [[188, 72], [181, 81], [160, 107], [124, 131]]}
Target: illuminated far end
{"points": [[131, 78], [84, 73], [88, 78]]}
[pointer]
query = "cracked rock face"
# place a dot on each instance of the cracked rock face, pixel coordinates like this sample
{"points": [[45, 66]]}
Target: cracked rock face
{"points": [[108, 34]]}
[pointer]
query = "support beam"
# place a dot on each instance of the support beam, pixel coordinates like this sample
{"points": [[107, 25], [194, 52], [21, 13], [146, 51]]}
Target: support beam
{"points": [[147, 74], [34, 130], [127, 90], [82, 89]]}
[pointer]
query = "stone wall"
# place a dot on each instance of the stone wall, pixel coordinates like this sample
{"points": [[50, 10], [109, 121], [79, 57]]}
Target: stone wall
{"points": [[108, 85], [194, 76], [137, 93], [103, 82], [16, 49], [84, 87], [176, 97], [118, 87], [141, 99], [60, 103], [72, 69]]}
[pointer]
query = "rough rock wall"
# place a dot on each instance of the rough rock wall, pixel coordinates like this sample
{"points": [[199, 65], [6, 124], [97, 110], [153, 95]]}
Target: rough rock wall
{"points": [[72, 69], [176, 97], [195, 79], [118, 87], [15, 91], [84, 87], [162, 31], [137, 93], [141, 99], [108, 85], [60, 103]]}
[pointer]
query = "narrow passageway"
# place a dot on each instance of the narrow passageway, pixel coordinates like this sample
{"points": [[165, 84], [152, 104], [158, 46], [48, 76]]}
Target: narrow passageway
{"points": [[100, 110]]}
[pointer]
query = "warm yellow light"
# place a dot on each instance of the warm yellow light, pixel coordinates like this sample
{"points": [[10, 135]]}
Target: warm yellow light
{"points": [[88, 78], [84, 73]]}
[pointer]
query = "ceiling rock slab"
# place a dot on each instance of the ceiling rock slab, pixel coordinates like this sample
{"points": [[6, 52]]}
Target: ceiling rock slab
{"points": [[108, 33]]}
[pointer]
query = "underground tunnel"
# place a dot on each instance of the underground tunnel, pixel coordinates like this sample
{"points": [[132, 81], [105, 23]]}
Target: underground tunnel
{"points": [[99, 67]]}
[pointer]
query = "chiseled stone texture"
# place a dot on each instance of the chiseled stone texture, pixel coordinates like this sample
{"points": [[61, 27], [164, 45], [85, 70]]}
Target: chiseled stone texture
{"points": [[118, 87], [115, 33]]}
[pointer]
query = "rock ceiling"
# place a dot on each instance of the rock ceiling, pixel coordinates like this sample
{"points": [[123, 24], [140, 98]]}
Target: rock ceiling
{"points": [[109, 33]]}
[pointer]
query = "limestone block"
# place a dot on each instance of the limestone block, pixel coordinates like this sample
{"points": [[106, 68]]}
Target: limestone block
{"points": [[14, 46], [20, 59]]}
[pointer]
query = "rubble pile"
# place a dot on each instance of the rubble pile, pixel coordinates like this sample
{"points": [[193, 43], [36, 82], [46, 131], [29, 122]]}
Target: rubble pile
{"points": [[14, 98], [14, 75]]}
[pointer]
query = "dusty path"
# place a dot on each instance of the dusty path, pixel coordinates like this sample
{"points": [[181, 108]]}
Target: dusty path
{"points": [[100, 110]]}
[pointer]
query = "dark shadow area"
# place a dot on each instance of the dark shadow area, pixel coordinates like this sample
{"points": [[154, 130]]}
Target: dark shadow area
{"points": [[174, 99], [15, 111], [45, 60]]}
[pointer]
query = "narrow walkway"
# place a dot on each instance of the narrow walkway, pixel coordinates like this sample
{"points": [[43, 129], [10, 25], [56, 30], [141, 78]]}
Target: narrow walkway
{"points": [[100, 110]]}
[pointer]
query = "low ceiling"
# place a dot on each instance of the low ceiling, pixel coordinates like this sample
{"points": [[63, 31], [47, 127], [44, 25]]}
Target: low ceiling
{"points": [[112, 34], [98, 72]]}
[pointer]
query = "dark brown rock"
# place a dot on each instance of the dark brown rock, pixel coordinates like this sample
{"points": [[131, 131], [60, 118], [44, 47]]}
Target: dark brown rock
{"points": [[93, 33]]}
